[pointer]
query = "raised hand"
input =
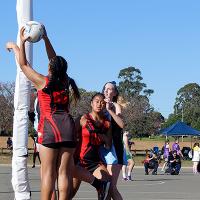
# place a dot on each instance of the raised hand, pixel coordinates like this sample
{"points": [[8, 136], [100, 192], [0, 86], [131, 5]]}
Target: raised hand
{"points": [[45, 32], [23, 38], [10, 46], [109, 104]]}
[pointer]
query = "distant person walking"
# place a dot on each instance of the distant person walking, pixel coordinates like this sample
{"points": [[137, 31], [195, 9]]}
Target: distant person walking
{"points": [[176, 147], [33, 117], [195, 157], [127, 169], [35, 150], [9, 144], [166, 152]]}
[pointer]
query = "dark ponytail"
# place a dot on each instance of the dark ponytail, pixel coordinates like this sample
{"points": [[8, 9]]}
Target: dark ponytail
{"points": [[59, 80], [75, 90], [57, 76]]}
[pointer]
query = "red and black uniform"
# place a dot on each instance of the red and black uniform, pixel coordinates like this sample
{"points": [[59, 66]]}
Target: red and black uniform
{"points": [[56, 124], [88, 149]]}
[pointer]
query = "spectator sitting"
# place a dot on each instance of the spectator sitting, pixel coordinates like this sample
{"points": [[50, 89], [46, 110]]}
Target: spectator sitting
{"points": [[195, 156], [151, 162], [174, 163], [9, 143]]}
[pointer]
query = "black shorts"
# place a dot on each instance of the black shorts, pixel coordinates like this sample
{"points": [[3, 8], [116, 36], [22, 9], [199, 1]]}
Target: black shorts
{"points": [[89, 165], [67, 144]]}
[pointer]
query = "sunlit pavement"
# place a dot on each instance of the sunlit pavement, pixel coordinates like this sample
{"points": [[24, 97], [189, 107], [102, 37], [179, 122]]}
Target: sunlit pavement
{"points": [[184, 186]]}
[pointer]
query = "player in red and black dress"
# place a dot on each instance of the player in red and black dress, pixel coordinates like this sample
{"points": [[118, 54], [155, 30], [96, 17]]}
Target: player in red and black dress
{"points": [[56, 129], [94, 130], [55, 119]]}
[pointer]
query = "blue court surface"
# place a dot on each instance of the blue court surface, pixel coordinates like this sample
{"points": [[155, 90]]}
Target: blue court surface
{"points": [[183, 186]]}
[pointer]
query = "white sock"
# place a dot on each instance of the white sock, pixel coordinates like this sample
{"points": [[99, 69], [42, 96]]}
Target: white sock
{"points": [[129, 173], [124, 175]]}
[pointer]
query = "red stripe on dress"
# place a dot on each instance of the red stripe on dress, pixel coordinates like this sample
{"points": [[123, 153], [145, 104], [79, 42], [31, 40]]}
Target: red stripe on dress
{"points": [[55, 130]]}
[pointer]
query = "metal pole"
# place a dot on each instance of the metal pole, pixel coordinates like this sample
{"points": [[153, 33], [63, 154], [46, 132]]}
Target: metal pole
{"points": [[182, 113], [20, 181]]}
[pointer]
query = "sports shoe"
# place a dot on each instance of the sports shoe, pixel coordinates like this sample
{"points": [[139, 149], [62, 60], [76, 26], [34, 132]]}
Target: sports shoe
{"points": [[129, 178], [103, 191], [124, 179]]}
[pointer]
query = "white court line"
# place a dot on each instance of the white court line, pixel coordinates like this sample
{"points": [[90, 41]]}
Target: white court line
{"points": [[167, 192], [158, 183], [150, 184], [153, 192], [85, 198]]}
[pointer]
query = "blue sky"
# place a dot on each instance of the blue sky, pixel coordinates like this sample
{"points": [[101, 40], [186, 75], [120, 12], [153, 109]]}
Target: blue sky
{"points": [[99, 38]]}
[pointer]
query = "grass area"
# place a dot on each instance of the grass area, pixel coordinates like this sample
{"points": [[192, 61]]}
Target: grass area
{"points": [[6, 159]]}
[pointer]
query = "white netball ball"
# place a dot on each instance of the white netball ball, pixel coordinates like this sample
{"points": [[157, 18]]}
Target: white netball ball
{"points": [[34, 30]]}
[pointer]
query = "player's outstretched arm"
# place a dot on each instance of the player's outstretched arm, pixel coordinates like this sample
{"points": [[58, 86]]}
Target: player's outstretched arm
{"points": [[13, 46], [37, 79], [49, 48]]}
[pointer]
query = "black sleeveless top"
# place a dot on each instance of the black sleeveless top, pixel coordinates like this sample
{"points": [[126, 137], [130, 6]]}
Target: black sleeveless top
{"points": [[117, 136]]}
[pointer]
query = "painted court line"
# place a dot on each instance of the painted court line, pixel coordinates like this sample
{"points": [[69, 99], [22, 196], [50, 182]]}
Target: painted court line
{"points": [[136, 184], [84, 198]]}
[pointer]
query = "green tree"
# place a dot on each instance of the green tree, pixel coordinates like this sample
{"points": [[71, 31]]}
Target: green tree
{"points": [[131, 82], [6, 107], [83, 106], [187, 106], [139, 115]]}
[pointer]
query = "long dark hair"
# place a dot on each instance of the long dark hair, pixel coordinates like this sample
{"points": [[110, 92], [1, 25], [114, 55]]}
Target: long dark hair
{"points": [[116, 90], [59, 79]]}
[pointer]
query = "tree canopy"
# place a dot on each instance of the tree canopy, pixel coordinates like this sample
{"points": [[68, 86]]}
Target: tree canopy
{"points": [[139, 115], [187, 106]]}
